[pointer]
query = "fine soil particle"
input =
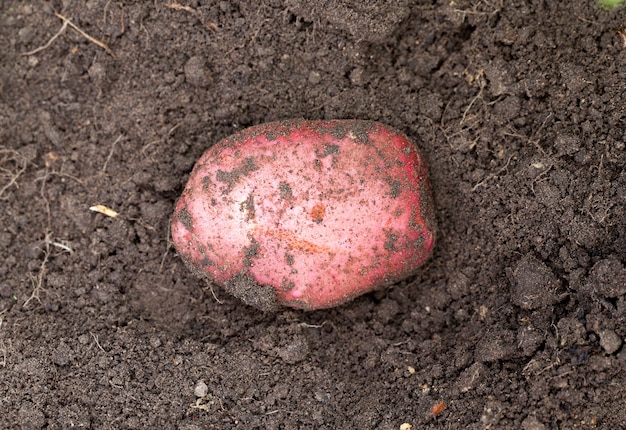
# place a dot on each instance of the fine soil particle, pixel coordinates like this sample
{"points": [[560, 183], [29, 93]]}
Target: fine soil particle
{"points": [[517, 321]]}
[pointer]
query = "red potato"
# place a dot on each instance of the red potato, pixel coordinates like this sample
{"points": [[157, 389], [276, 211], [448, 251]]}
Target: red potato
{"points": [[309, 214]]}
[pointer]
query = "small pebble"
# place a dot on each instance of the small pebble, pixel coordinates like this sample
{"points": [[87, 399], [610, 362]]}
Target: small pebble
{"points": [[155, 342], [610, 341], [471, 376], [532, 423], [62, 355], [314, 77], [201, 389], [196, 72], [97, 72]]}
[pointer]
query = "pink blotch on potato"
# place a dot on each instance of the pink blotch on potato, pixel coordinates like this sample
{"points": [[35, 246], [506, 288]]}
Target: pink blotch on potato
{"points": [[308, 214]]}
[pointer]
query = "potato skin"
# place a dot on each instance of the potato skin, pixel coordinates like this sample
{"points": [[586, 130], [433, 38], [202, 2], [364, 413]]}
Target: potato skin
{"points": [[308, 214]]}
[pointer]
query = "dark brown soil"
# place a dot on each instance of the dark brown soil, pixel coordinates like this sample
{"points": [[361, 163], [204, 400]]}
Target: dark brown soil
{"points": [[518, 320]]}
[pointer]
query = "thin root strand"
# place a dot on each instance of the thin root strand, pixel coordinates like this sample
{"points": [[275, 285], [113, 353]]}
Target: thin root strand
{"points": [[67, 22]]}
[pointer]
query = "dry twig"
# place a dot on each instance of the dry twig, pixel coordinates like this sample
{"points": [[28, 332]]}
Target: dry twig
{"points": [[104, 167], [178, 6], [67, 22], [11, 156], [3, 348], [37, 281]]}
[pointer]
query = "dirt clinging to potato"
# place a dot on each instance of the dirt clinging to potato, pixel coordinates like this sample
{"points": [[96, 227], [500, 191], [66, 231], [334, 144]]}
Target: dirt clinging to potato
{"points": [[249, 291]]}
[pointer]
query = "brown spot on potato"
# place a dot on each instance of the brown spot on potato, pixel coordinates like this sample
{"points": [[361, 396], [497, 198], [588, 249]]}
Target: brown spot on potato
{"points": [[232, 177], [289, 259], [287, 285], [185, 218], [295, 242], [390, 243], [359, 131], [339, 131], [206, 183], [285, 190], [247, 207], [206, 262], [329, 149], [318, 212], [396, 187], [251, 252]]}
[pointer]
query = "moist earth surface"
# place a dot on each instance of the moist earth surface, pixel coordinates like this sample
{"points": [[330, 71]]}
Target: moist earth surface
{"points": [[516, 322]]}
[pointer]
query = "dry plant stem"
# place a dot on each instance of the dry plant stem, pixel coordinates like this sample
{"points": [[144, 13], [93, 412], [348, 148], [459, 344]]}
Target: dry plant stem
{"points": [[95, 338], [168, 245], [104, 167], [85, 35], [41, 48], [60, 245], [178, 6], [3, 363], [67, 22], [37, 281], [495, 175], [12, 175], [214, 296], [3, 347], [478, 96], [42, 193]]}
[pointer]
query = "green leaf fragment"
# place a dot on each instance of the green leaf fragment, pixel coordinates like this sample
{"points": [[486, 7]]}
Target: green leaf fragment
{"points": [[610, 4]]}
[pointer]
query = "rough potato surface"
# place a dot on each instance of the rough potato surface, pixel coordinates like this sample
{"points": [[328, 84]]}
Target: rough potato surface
{"points": [[309, 214]]}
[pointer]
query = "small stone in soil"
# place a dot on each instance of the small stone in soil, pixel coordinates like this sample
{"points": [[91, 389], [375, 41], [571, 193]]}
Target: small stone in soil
{"points": [[610, 341], [201, 389]]}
